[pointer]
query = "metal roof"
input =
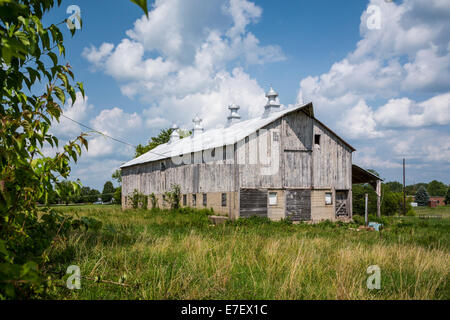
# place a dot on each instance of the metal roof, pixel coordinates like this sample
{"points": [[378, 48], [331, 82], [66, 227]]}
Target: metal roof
{"points": [[214, 138]]}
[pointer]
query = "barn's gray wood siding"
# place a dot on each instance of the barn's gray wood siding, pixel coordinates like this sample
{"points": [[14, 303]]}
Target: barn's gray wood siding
{"points": [[300, 163], [297, 150], [332, 161]]}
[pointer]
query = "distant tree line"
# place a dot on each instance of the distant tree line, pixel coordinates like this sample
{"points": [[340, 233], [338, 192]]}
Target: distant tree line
{"points": [[64, 193], [434, 188], [392, 196]]}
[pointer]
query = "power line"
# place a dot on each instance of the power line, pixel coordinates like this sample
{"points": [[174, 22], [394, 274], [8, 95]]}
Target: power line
{"points": [[108, 136], [103, 134]]}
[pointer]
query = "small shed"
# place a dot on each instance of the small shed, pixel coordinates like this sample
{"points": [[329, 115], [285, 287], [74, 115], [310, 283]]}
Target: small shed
{"points": [[360, 175]]}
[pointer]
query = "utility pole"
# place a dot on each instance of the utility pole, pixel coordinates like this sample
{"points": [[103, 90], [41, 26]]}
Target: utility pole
{"points": [[404, 188]]}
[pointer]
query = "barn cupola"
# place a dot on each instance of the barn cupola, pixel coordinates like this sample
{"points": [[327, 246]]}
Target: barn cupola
{"points": [[175, 136], [198, 129], [234, 117], [273, 104]]}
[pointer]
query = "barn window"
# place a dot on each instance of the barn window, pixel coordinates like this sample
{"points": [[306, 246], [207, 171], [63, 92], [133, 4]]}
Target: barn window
{"points": [[273, 198], [194, 200], [276, 137], [163, 166], [184, 200], [317, 139], [205, 199], [328, 198], [224, 199]]}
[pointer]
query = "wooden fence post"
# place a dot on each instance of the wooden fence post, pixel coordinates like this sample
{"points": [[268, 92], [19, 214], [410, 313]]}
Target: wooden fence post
{"points": [[379, 198], [366, 210]]}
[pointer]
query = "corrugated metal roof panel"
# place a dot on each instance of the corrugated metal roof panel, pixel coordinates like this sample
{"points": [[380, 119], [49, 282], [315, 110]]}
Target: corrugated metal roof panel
{"points": [[209, 139]]}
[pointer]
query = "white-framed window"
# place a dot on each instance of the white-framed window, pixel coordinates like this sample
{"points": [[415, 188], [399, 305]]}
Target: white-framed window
{"points": [[273, 198], [328, 198]]}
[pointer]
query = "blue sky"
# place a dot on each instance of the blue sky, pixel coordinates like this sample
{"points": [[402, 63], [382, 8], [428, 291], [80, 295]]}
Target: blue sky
{"points": [[386, 90]]}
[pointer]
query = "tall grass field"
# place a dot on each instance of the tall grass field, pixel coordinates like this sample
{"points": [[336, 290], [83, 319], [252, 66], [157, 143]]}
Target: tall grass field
{"points": [[139, 254]]}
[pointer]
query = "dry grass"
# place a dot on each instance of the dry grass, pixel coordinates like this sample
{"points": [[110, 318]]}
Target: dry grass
{"points": [[180, 256]]}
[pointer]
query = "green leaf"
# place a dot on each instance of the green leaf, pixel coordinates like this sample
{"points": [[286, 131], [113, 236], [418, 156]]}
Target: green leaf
{"points": [[54, 58], [60, 94], [80, 86], [142, 4]]}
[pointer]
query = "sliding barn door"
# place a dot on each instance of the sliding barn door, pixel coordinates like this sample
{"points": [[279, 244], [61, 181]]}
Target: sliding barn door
{"points": [[253, 202], [298, 205]]}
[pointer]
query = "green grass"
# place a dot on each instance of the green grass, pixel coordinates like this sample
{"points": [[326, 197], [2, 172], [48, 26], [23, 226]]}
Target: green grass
{"points": [[172, 255], [441, 210]]}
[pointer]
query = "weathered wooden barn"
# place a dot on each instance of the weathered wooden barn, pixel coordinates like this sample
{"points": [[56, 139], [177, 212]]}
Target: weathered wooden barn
{"points": [[284, 164]]}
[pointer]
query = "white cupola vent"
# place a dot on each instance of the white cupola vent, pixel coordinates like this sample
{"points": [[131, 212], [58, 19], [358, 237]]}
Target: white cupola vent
{"points": [[234, 117], [273, 104], [198, 129], [175, 136]]}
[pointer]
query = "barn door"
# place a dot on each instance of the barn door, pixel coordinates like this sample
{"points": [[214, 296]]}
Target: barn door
{"points": [[342, 203], [253, 202], [298, 205]]}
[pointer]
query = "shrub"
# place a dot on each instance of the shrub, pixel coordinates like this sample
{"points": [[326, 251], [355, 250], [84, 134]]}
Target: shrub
{"points": [[173, 197], [118, 195], [358, 219], [138, 200], [153, 201], [391, 203]]}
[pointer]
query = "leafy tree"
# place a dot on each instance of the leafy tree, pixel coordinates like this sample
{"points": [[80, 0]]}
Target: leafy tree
{"points": [[359, 191], [26, 174], [392, 203], [84, 195], [67, 191], [161, 138], [118, 195], [412, 189], [94, 195], [117, 175], [30, 52], [394, 186], [436, 188], [422, 197], [52, 198], [447, 197], [108, 191]]}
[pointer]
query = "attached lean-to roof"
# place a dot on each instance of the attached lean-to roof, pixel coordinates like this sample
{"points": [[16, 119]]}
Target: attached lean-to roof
{"points": [[214, 138], [360, 175]]}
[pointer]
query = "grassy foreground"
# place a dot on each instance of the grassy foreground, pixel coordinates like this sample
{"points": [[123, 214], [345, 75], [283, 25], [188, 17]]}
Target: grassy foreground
{"points": [[172, 255]]}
